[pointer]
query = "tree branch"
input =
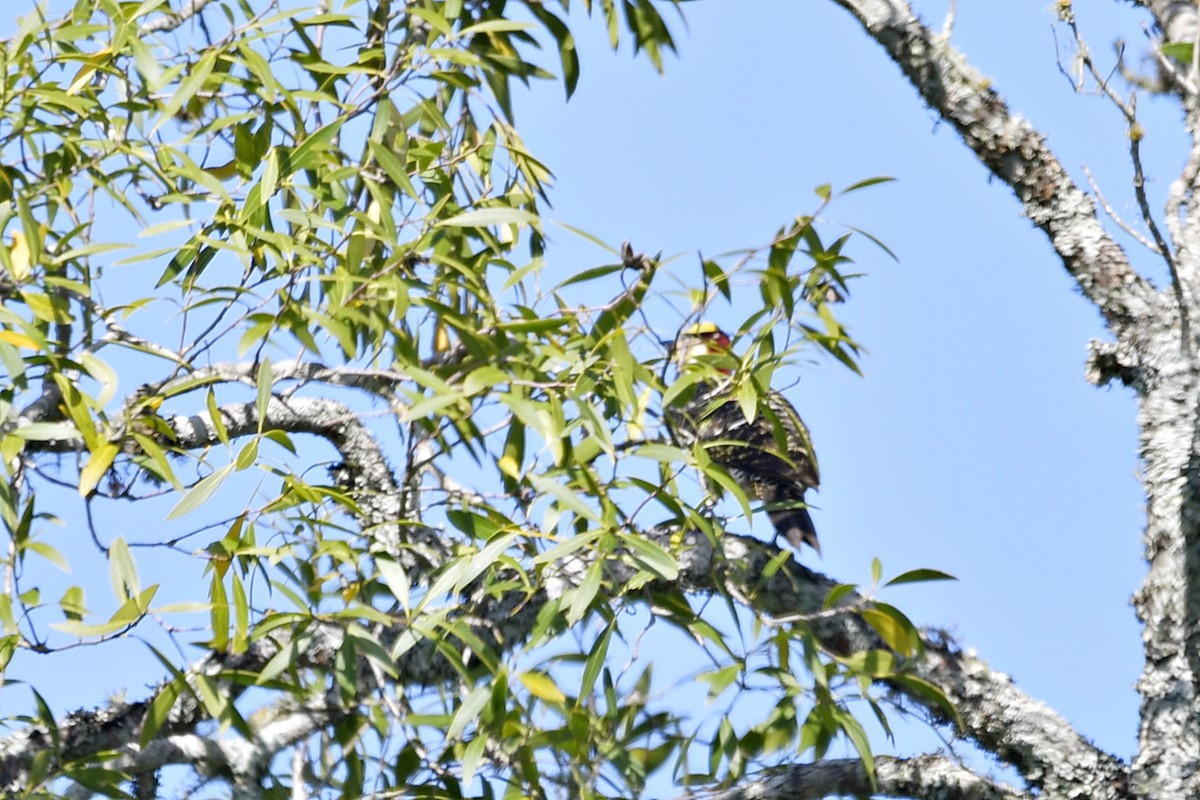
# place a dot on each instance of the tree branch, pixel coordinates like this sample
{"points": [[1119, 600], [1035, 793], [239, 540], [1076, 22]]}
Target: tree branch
{"points": [[932, 777], [1017, 154], [1019, 730], [1175, 18], [364, 470], [169, 22], [997, 715]]}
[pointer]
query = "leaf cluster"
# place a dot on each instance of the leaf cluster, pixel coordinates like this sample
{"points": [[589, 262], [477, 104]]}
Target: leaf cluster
{"points": [[278, 279]]}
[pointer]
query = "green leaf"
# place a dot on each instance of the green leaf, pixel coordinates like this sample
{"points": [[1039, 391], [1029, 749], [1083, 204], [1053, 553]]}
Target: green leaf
{"points": [[855, 733], [663, 453], [370, 648], [217, 418], [199, 494], [47, 432], [121, 570], [396, 579], [98, 463], [486, 217], [718, 475], [594, 663], [720, 680], [919, 575], [931, 694], [717, 277], [1180, 51], [84, 630], [263, 394], [896, 630], [495, 26], [72, 604], [542, 686], [469, 710], [867, 182], [472, 758], [564, 496], [872, 663], [104, 374], [474, 525], [48, 552], [241, 610], [650, 556], [247, 455], [158, 465], [837, 593], [8, 646], [464, 570], [585, 593], [567, 547], [160, 709], [218, 613], [307, 154], [135, 607], [197, 74]]}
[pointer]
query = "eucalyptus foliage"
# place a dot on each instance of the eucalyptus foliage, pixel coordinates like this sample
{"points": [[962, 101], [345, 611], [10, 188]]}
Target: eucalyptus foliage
{"points": [[384, 493]]}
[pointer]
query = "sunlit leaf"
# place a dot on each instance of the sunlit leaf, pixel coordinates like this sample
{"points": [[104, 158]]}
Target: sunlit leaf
{"points": [[542, 686], [199, 494]]}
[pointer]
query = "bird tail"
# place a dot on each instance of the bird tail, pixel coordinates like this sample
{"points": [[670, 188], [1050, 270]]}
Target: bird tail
{"points": [[791, 520]]}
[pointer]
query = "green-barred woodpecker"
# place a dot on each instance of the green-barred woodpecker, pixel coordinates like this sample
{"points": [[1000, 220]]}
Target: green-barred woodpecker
{"points": [[770, 456]]}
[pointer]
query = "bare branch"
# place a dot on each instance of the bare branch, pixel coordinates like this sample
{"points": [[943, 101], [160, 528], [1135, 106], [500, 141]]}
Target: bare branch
{"points": [[1005, 721], [1017, 154], [1116, 218], [996, 714], [170, 22], [935, 777], [364, 470], [380, 382], [1175, 18], [1128, 109]]}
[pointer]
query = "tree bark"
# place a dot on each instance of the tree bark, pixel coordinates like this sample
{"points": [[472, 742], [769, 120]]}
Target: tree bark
{"points": [[1153, 354]]}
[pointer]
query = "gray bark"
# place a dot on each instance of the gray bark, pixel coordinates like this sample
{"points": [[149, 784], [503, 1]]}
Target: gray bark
{"points": [[931, 776], [1150, 352], [1153, 353], [997, 715]]}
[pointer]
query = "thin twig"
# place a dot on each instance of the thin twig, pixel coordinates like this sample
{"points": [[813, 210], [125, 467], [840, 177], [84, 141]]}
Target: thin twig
{"points": [[1122, 224], [1139, 190], [948, 23], [1129, 110]]}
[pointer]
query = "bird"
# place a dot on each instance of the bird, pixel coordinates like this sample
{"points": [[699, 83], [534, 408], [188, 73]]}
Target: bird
{"points": [[770, 456]]}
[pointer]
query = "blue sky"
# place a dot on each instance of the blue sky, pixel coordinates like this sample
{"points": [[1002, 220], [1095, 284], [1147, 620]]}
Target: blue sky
{"points": [[973, 445]]}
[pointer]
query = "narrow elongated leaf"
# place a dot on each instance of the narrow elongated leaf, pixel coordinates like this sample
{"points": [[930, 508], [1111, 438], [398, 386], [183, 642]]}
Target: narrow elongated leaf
{"points": [[486, 217], [919, 575], [396, 579], [594, 663], [649, 555], [585, 593], [121, 570], [199, 494], [98, 463], [47, 432], [468, 712], [855, 733], [263, 395], [542, 686]]}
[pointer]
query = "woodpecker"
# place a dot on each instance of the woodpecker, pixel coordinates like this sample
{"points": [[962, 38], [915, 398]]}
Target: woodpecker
{"points": [[770, 456]]}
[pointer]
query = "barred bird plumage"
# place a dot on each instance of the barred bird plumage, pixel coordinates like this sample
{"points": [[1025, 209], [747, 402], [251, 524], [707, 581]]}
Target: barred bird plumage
{"points": [[770, 456]]}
